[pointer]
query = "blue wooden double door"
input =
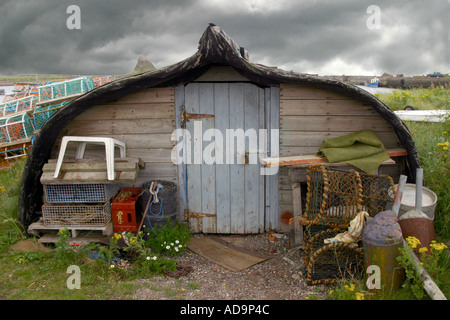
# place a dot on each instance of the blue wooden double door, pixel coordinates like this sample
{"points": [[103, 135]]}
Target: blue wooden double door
{"points": [[227, 131]]}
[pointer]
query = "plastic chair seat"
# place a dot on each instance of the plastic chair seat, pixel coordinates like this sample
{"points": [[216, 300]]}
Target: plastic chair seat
{"points": [[109, 143]]}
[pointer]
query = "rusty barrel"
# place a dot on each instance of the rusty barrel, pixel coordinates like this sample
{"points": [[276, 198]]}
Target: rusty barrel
{"points": [[417, 224], [382, 237]]}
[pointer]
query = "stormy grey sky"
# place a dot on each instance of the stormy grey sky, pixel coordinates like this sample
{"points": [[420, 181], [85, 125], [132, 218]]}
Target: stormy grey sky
{"points": [[324, 37]]}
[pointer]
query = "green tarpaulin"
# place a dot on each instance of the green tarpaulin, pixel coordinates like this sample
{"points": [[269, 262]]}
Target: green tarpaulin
{"points": [[361, 149]]}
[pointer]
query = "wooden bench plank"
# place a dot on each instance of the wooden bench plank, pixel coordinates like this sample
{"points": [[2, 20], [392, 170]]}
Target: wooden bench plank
{"points": [[314, 159]]}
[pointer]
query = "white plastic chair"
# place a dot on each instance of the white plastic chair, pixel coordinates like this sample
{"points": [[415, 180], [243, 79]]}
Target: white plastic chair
{"points": [[110, 144]]}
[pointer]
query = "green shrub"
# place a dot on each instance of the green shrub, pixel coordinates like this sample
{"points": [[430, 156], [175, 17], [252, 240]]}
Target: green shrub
{"points": [[170, 239]]}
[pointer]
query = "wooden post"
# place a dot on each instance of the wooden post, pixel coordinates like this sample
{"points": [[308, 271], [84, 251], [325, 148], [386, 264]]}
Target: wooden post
{"points": [[298, 212]]}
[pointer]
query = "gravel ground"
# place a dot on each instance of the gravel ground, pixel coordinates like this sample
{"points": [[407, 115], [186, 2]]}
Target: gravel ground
{"points": [[277, 278]]}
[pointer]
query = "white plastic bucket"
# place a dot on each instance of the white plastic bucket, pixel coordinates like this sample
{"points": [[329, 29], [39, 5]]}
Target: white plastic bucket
{"points": [[429, 200]]}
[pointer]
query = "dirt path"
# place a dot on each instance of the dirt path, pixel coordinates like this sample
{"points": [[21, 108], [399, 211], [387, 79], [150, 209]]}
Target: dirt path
{"points": [[277, 278]]}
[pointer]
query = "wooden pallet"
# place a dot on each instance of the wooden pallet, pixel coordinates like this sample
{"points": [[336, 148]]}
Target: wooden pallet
{"points": [[80, 235]]}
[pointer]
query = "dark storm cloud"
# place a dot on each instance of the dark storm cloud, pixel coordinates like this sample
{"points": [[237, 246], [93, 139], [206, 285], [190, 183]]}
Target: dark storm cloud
{"points": [[325, 37]]}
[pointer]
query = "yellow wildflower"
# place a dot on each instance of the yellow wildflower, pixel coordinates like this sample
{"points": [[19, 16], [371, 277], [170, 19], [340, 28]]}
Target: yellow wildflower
{"points": [[438, 246], [133, 240], [423, 250], [350, 287], [359, 296], [331, 292], [117, 236], [413, 242], [63, 230]]}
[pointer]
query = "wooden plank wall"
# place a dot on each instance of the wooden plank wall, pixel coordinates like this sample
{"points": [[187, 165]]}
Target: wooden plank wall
{"points": [[310, 115], [144, 121]]}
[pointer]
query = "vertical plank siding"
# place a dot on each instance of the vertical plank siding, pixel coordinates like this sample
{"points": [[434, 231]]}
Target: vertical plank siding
{"points": [[237, 178], [223, 186]]}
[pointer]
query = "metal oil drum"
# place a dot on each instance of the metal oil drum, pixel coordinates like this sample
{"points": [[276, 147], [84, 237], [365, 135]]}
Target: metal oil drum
{"points": [[382, 237]]}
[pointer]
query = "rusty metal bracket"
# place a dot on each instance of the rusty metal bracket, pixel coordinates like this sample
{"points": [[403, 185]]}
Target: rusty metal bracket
{"points": [[185, 116], [188, 215]]}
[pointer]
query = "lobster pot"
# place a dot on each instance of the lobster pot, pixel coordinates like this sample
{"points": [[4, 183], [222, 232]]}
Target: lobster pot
{"points": [[79, 193], [42, 114], [99, 81], [15, 128], [376, 193], [333, 196], [65, 88], [73, 215], [18, 105], [327, 263]]}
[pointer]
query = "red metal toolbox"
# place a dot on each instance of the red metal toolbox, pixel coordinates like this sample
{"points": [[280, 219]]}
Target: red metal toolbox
{"points": [[125, 210]]}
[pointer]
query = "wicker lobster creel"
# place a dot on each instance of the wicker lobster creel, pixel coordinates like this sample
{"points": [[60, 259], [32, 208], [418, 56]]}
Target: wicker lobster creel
{"points": [[327, 263], [334, 198]]}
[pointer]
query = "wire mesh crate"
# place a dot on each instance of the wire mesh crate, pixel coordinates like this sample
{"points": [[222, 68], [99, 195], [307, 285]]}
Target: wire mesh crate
{"points": [[79, 193], [76, 215], [15, 128], [18, 105], [42, 114]]}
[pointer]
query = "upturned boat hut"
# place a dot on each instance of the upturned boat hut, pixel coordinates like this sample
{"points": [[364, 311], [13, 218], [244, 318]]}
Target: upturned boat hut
{"points": [[223, 188]]}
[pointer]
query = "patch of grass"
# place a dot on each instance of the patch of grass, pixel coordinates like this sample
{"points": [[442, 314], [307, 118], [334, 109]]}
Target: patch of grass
{"points": [[431, 139], [11, 230], [421, 99], [42, 279]]}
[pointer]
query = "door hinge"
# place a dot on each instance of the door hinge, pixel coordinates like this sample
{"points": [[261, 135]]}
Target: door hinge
{"points": [[185, 116], [188, 215]]}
